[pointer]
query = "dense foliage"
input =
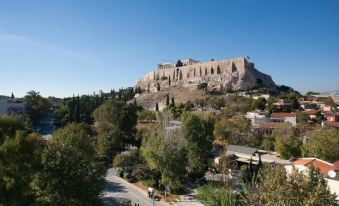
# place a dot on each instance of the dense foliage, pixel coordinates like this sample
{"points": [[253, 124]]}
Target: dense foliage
{"points": [[19, 162], [198, 133], [36, 105], [80, 108], [217, 195], [323, 144], [276, 188], [116, 126], [70, 175]]}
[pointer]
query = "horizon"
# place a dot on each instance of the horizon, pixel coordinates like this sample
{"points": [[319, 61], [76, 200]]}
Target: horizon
{"points": [[80, 47]]}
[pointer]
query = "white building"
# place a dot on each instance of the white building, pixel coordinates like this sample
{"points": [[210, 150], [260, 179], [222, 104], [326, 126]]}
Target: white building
{"points": [[12, 107]]}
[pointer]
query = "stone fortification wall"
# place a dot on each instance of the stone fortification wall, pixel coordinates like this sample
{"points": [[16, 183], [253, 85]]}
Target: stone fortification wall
{"points": [[200, 69], [239, 73]]}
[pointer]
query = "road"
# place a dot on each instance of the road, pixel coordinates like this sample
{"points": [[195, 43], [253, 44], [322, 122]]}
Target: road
{"points": [[117, 190]]}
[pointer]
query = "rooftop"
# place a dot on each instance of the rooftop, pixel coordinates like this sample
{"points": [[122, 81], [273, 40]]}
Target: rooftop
{"points": [[281, 115], [323, 166], [273, 125]]}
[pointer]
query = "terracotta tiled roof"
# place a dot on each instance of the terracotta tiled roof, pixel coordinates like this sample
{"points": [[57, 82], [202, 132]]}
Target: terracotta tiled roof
{"points": [[323, 166], [281, 115]]}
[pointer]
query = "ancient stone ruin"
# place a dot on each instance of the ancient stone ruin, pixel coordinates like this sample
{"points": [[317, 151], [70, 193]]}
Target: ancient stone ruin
{"points": [[238, 74]]}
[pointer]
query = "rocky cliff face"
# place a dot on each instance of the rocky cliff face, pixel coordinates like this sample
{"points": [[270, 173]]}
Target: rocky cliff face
{"points": [[236, 74]]}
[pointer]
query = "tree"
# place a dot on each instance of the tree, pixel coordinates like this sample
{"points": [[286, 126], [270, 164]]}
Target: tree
{"points": [[288, 146], [198, 133], [216, 103], [229, 88], [146, 115], [310, 93], [172, 101], [293, 98], [37, 104], [158, 86], [268, 142], [259, 103], [323, 144], [167, 100], [277, 188], [116, 126], [70, 175], [125, 160], [19, 162], [203, 86], [179, 64], [165, 153], [156, 106], [9, 125], [235, 131], [302, 117]]}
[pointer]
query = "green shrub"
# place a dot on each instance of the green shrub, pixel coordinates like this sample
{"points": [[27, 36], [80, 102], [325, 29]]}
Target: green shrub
{"points": [[212, 195]]}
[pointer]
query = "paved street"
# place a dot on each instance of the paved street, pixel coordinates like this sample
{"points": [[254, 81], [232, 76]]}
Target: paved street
{"points": [[117, 190]]}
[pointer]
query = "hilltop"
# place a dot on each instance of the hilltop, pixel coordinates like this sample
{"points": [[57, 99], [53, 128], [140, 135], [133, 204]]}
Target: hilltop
{"points": [[190, 79]]}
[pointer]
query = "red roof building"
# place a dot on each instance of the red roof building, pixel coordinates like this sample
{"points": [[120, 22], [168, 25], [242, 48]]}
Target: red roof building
{"points": [[323, 166]]}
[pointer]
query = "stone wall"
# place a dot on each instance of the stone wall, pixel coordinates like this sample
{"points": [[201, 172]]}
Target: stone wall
{"points": [[237, 72], [200, 69]]}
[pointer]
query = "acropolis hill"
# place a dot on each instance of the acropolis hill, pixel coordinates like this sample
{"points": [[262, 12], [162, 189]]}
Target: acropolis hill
{"points": [[237, 73]]}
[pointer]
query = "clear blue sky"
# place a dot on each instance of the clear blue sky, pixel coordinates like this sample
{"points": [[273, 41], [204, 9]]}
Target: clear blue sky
{"points": [[67, 47]]}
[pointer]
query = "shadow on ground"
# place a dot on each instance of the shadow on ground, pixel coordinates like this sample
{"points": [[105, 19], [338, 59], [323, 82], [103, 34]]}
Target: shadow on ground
{"points": [[113, 201], [114, 187]]}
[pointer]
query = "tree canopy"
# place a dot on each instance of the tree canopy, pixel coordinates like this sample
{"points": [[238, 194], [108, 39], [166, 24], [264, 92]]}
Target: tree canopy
{"points": [[70, 175], [116, 126], [198, 133], [323, 144]]}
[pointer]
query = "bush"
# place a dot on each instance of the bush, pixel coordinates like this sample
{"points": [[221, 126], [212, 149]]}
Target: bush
{"points": [[202, 85], [211, 195], [163, 78], [149, 182], [125, 160], [146, 116]]}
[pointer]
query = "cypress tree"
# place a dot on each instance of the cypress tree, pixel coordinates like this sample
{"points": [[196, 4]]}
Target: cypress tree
{"points": [[172, 101], [77, 109], [167, 100], [156, 106]]}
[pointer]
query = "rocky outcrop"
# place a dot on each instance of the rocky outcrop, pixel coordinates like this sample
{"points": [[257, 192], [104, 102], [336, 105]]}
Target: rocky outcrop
{"points": [[237, 74]]}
